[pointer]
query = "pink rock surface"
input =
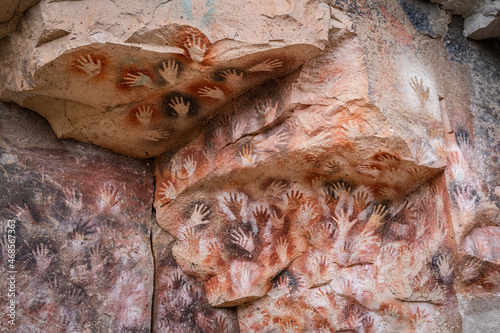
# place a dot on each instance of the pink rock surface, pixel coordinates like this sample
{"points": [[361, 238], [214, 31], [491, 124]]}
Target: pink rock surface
{"points": [[319, 167], [82, 257]]}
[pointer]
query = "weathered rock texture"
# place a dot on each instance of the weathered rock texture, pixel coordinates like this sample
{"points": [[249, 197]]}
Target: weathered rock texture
{"points": [[152, 71], [320, 166], [482, 17], [83, 215], [11, 14], [180, 303]]}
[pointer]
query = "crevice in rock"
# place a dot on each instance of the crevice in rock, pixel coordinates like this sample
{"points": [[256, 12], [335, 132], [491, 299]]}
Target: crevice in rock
{"points": [[153, 255]]}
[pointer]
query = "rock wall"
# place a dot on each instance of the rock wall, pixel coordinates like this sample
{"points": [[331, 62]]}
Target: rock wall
{"points": [[319, 166], [80, 229], [12, 12], [482, 19]]}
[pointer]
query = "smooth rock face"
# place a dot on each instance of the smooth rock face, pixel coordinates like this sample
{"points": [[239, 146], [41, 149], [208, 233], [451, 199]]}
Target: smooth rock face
{"points": [[82, 222], [319, 166]]}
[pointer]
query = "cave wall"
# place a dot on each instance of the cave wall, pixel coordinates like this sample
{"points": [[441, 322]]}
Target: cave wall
{"points": [[318, 166], [81, 256]]}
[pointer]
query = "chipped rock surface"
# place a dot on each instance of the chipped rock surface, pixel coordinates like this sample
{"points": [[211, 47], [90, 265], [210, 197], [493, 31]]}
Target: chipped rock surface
{"points": [[12, 12], [482, 17], [319, 166]]}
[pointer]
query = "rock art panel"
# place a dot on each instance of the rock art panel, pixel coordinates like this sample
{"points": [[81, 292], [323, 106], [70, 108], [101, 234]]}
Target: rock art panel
{"points": [[472, 181], [356, 166], [276, 127], [145, 90], [369, 267], [319, 166], [282, 201], [81, 220], [180, 303]]}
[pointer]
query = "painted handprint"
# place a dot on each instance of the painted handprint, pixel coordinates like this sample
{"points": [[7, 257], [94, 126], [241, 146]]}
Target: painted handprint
{"points": [[378, 215], [218, 136], [444, 266], [289, 327], [41, 255], [88, 65], [199, 214], [273, 142], [23, 213], [283, 284], [190, 166], [234, 202], [294, 198], [321, 265], [282, 249], [466, 198], [144, 114], [242, 239], [351, 130], [169, 71], [213, 92], [344, 225], [154, 135], [463, 139], [73, 199], [246, 153], [232, 77], [238, 128], [246, 274], [167, 191], [368, 169], [388, 192], [189, 235], [419, 88], [139, 79], [96, 263], [195, 49], [179, 106], [420, 317], [339, 189], [267, 66], [362, 197], [268, 110], [109, 195], [276, 188]]}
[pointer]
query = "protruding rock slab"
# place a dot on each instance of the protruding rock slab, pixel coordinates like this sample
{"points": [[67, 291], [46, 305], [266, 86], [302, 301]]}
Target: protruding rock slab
{"points": [[142, 87], [482, 17]]}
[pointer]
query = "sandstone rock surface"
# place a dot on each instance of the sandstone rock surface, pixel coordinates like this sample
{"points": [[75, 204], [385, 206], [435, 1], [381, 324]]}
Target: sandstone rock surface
{"points": [[319, 166], [80, 232], [125, 80], [12, 12]]}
